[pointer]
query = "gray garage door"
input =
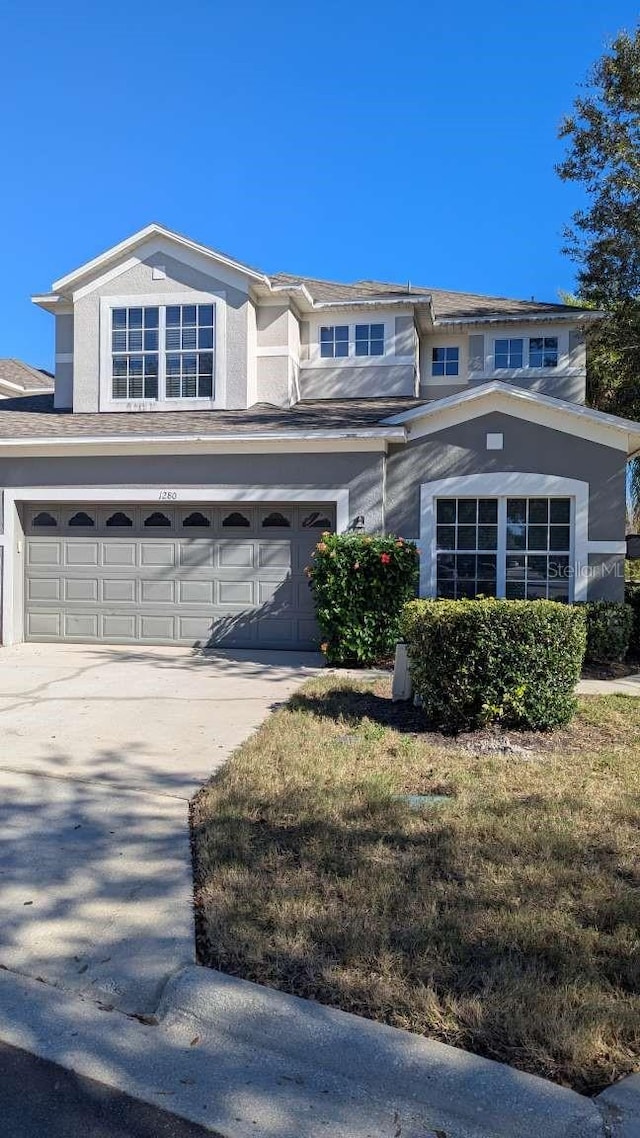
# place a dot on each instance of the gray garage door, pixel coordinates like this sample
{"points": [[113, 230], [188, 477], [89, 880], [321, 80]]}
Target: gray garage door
{"points": [[166, 574]]}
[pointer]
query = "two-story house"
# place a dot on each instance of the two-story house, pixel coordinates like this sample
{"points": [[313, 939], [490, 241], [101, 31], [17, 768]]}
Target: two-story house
{"points": [[210, 421]]}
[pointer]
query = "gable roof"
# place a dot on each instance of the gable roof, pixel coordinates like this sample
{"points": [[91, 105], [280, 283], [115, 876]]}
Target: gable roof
{"points": [[130, 244], [533, 406], [18, 378]]}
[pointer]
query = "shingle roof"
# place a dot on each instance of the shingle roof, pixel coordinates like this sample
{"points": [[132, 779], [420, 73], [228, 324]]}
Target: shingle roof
{"points": [[35, 417], [446, 303], [22, 375]]}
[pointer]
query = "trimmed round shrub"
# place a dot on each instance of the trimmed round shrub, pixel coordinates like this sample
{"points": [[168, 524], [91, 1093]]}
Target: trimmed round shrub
{"points": [[360, 584], [478, 662], [609, 627]]}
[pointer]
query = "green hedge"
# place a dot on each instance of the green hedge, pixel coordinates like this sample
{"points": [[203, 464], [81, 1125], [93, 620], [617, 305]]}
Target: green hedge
{"points": [[478, 662], [609, 628], [632, 597], [360, 584]]}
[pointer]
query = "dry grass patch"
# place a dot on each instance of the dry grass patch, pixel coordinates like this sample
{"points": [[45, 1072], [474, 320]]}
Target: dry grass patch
{"points": [[504, 920]]}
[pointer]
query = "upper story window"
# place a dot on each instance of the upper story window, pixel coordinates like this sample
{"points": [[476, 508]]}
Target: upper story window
{"points": [[334, 341], [540, 352], [338, 341], [163, 352], [369, 339], [509, 353], [543, 351], [445, 361]]}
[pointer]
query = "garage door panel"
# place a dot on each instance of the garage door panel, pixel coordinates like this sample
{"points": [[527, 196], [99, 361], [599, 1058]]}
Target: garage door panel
{"points": [[197, 554], [118, 589], [118, 627], [195, 592], [43, 589], [44, 624], [80, 626], [157, 553], [235, 592], [157, 592], [45, 553], [80, 589], [235, 586], [236, 555], [81, 553], [274, 555], [119, 553]]}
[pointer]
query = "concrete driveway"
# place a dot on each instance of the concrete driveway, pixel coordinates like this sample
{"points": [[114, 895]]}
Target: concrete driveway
{"points": [[100, 751]]}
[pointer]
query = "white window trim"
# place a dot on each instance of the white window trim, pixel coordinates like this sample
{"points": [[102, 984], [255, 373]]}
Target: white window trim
{"points": [[445, 380], [162, 300], [512, 484], [12, 542], [563, 353], [350, 319]]}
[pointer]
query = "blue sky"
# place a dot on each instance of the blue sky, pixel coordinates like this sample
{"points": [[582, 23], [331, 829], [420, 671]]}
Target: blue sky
{"points": [[411, 141]]}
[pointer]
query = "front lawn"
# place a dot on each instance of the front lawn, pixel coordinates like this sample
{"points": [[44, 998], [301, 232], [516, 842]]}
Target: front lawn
{"points": [[503, 916]]}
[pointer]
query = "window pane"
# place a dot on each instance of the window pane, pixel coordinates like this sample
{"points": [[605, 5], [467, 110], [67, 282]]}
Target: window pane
{"points": [[172, 339], [377, 347], [487, 588], [559, 537], [377, 331], [537, 537], [362, 347], [467, 510], [538, 510], [446, 510], [151, 317], [362, 332], [119, 318], [446, 565], [151, 387], [135, 318], [173, 316], [515, 568], [342, 349], [451, 367], [342, 333], [205, 315], [466, 566], [488, 510], [516, 536], [326, 351], [467, 537], [537, 568], [326, 335], [205, 387], [205, 338], [188, 314], [438, 355], [536, 592], [446, 537], [516, 354], [437, 368], [119, 341], [135, 340], [487, 566], [189, 338], [487, 537], [516, 509], [515, 591], [560, 511], [502, 353]]}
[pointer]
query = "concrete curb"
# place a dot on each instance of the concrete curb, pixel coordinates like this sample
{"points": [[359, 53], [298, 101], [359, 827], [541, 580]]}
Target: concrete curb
{"points": [[449, 1089], [243, 1060]]}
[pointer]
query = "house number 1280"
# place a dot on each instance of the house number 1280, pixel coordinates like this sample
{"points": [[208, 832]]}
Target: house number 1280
{"points": [[168, 495]]}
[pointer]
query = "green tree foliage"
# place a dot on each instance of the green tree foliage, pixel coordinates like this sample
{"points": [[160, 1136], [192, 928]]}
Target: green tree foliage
{"points": [[603, 156]]}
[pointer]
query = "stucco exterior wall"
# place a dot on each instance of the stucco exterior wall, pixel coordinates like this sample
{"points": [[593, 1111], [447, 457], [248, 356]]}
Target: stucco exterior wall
{"points": [[343, 382], [569, 387], [360, 473], [138, 280], [63, 397]]}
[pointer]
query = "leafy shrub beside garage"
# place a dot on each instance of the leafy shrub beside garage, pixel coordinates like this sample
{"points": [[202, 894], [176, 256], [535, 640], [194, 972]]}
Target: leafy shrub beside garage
{"points": [[478, 662], [360, 583], [609, 628]]}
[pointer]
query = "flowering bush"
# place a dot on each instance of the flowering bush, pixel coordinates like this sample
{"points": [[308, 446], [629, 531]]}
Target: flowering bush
{"points": [[360, 583]]}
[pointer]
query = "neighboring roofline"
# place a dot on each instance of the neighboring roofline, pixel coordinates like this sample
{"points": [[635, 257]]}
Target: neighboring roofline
{"points": [[522, 395], [64, 284], [521, 317]]}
